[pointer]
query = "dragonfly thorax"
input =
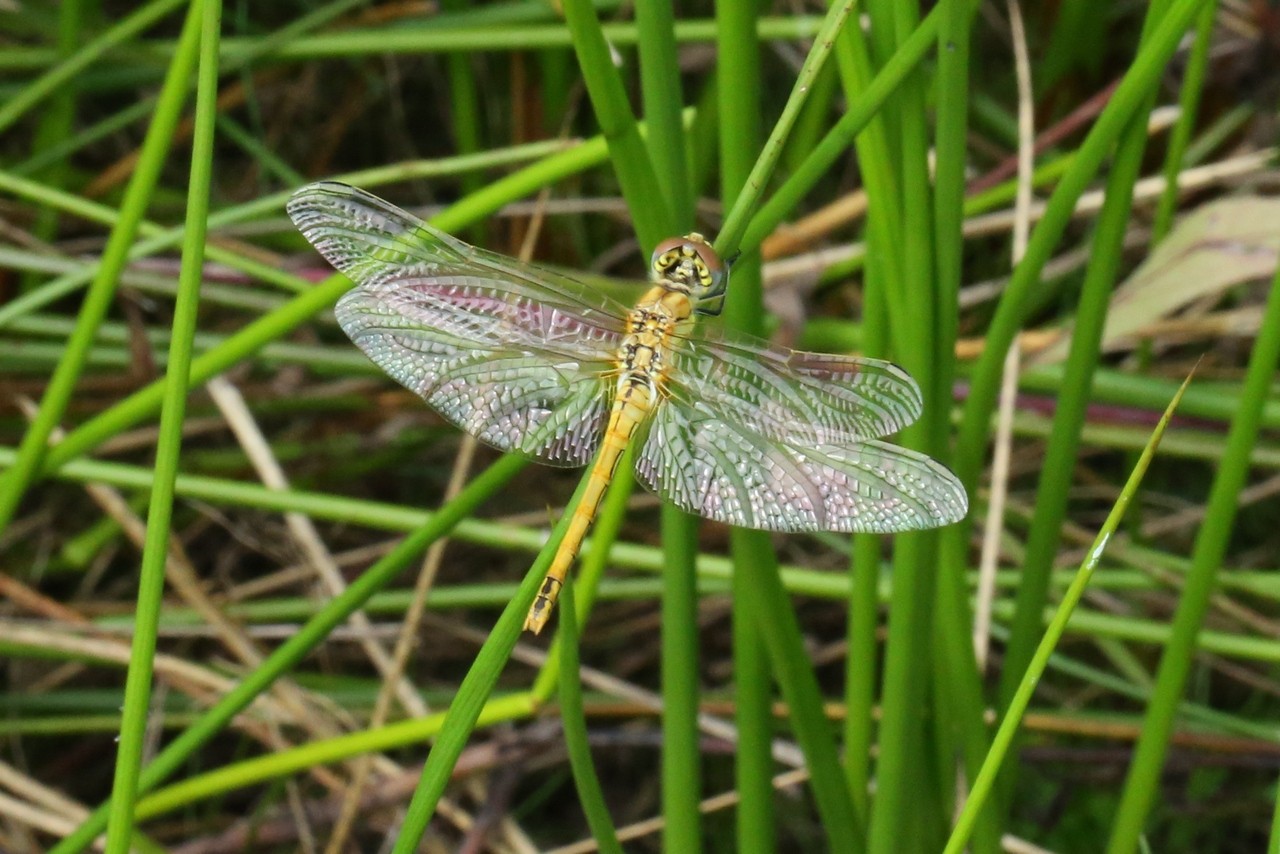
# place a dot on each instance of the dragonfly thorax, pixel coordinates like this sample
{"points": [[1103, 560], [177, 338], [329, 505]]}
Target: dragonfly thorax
{"points": [[643, 356]]}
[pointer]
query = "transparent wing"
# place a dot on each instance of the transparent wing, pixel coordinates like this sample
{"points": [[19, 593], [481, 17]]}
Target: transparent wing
{"points": [[517, 356], [792, 396], [732, 473]]}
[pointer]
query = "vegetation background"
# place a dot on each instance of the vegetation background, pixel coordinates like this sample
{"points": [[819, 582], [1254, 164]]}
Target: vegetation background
{"points": [[230, 620]]}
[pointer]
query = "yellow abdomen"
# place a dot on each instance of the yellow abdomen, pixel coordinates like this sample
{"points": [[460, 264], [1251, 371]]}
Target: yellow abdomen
{"points": [[625, 419]]}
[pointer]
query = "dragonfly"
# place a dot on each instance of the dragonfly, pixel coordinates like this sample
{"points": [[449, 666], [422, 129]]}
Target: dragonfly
{"points": [[531, 361]]}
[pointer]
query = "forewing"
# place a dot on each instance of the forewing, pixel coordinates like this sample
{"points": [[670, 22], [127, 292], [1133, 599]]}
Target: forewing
{"points": [[789, 395], [373, 241], [733, 474], [516, 356]]}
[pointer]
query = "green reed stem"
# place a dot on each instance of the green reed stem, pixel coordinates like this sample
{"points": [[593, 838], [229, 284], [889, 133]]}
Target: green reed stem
{"points": [[473, 693], [577, 743], [630, 157], [155, 551], [904, 732], [746, 201], [1193, 81], [836, 143]]}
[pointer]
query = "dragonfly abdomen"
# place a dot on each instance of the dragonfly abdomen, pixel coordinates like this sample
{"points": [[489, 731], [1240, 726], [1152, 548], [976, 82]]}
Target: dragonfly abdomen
{"points": [[631, 409]]}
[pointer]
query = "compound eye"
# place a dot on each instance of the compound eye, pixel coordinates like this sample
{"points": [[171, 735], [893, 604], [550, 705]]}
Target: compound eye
{"points": [[704, 251]]}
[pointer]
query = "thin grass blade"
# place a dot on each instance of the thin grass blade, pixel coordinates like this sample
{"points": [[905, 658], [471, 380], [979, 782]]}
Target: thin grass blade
{"points": [[1143, 782], [1004, 737]]}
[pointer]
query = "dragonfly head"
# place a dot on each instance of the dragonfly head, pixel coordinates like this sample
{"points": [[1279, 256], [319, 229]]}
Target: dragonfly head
{"points": [[690, 265]]}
